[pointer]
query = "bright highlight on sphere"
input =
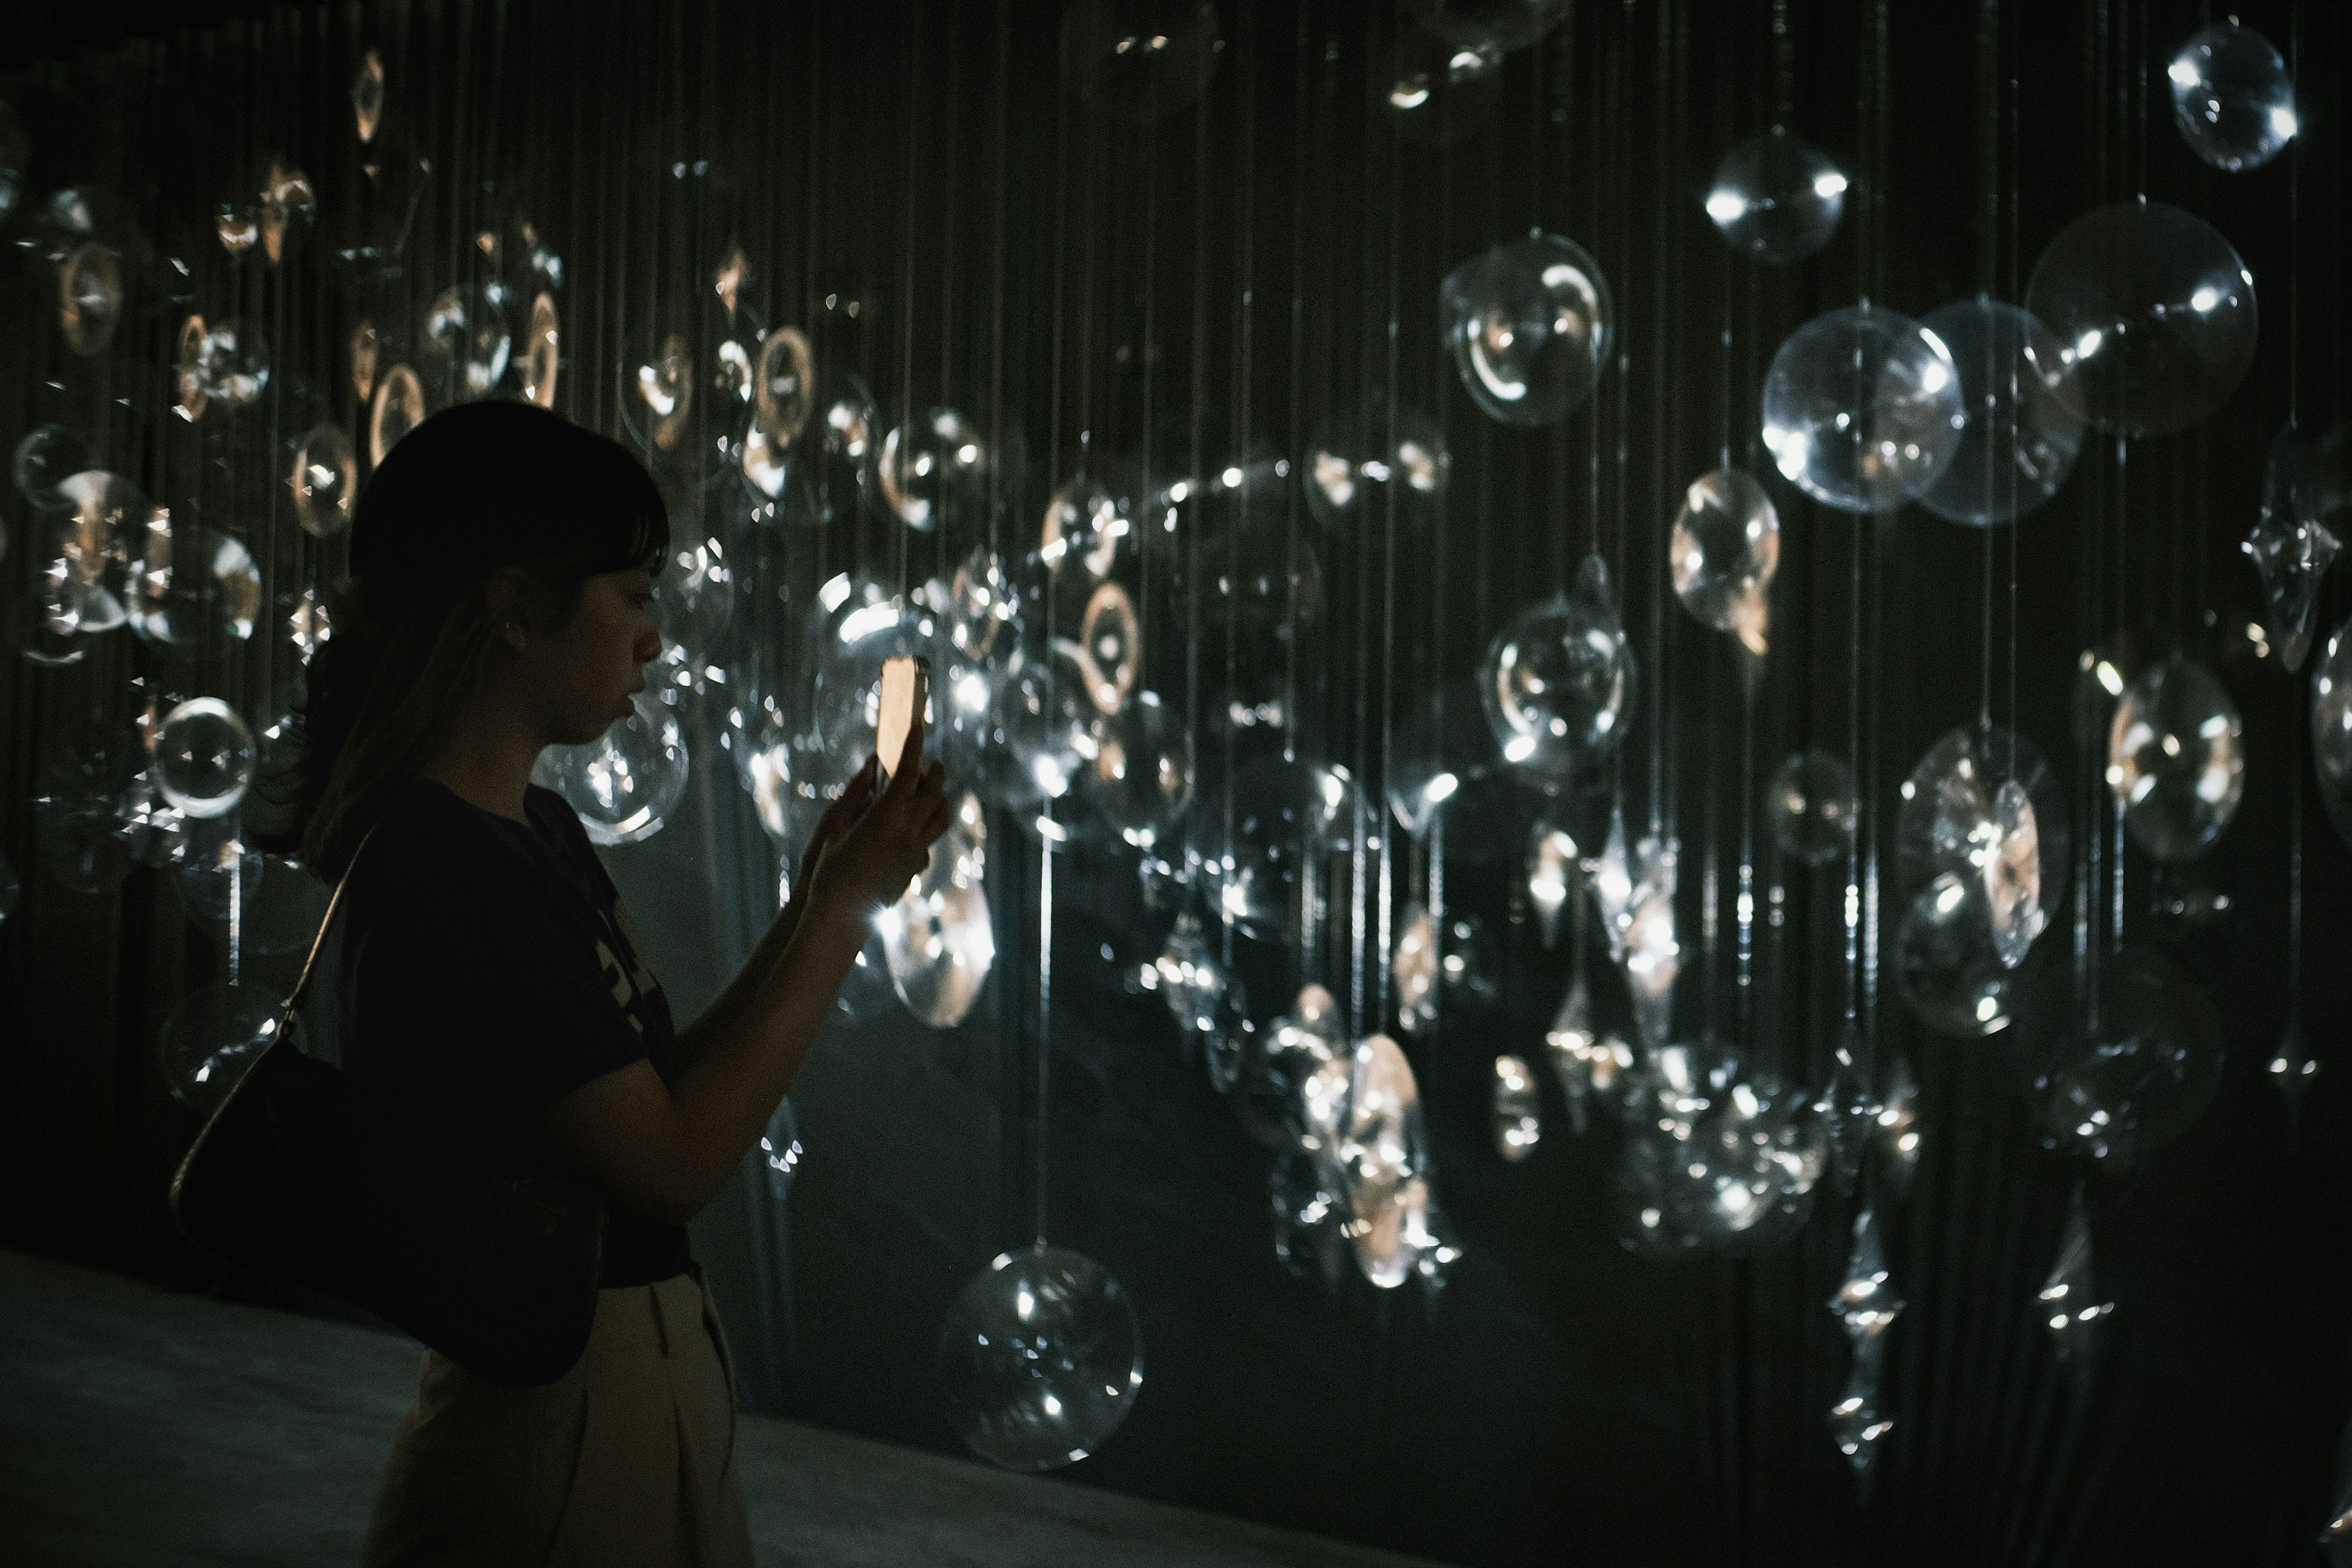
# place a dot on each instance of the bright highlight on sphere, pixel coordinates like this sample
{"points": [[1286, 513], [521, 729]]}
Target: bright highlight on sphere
{"points": [[1040, 1358], [2176, 759], [1139, 61], [1531, 327], [2232, 98], [2022, 438], [1863, 409], [1372, 456], [1777, 198]]}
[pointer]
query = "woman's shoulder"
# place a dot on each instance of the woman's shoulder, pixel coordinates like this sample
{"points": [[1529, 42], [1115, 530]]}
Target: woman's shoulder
{"points": [[430, 844]]}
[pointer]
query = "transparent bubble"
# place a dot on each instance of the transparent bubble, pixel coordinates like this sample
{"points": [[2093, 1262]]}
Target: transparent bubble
{"points": [[1505, 24], [1287, 818], [324, 478], [781, 1151], [1435, 744], [1518, 1109], [1742, 1180], [542, 355], [1040, 1358], [234, 362], [16, 155], [1437, 91], [1382, 1153], [46, 458], [467, 338], [2141, 1074], [1531, 327], [2154, 315], [2291, 545], [783, 398], [1777, 198], [81, 842], [2008, 851], [192, 588], [1810, 801], [1863, 409], [1946, 964], [659, 381], [1189, 976], [88, 235], [107, 517], [1441, 964], [213, 1036], [2176, 759], [1305, 1199], [935, 474], [286, 203], [2232, 98], [279, 906], [2022, 438], [938, 938], [1139, 61], [694, 593], [399, 408], [1373, 457], [1042, 735], [836, 456], [48, 616], [626, 783], [205, 757], [1559, 681], [1141, 776], [1725, 548]]}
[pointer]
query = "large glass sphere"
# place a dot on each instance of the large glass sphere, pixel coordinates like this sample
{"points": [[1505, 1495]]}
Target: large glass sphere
{"points": [[2176, 759], [1777, 198], [468, 339], [1381, 1151], [213, 1037], [106, 521], [1947, 964], [46, 458], [2153, 316], [324, 478], [936, 471], [2142, 1073], [1531, 327], [1141, 777], [233, 364], [1437, 91], [1984, 810], [1505, 24], [192, 588], [1559, 681], [2232, 98], [2022, 438], [626, 783], [1811, 801], [205, 757], [1374, 460], [1725, 548], [1040, 1358], [1139, 61], [938, 938], [1287, 817], [1863, 409]]}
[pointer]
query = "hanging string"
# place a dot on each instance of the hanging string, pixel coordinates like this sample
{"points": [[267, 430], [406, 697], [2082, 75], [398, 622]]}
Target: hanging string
{"points": [[1238, 405], [1390, 495]]}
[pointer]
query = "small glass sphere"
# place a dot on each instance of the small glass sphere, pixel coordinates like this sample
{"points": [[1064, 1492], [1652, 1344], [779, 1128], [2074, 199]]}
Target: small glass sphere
{"points": [[936, 472], [2176, 759], [542, 352], [1984, 808], [2232, 98], [1531, 327], [2154, 315], [1518, 1109], [1040, 1358], [213, 1037], [660, 381], [1374, 456], [1040, 736], [1946, 964], [399, 408], [2291, 544], [1559, 681], [2021, 438], [234, 362], [1436, 744], [1286, 815], [937, 938], [1139, 61], [46, 458], [2143, 1075], [1382, 1153], [1725, 548], [626, 783], [1442, 965], [1141, 777], [1777, 198], [1437, 91], [1505, 24], [468, 339], [1811, 800], [325, 479], [193, 589], [205, 757], [1863, 409], [279, 906]]}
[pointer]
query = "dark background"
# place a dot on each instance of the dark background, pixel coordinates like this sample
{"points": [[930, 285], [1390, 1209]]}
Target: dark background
{"points": [[1231, 274]]}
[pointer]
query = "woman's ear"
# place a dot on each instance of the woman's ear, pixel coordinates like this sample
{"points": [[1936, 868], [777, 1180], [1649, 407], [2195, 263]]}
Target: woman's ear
{"points": [[507, 594]]}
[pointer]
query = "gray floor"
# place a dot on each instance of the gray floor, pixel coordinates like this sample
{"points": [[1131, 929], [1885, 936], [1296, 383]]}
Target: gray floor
{"points": [[141, 1427]]}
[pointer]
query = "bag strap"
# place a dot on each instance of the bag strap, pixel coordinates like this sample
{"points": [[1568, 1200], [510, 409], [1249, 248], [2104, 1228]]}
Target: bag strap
{"points": [[334, 902]]}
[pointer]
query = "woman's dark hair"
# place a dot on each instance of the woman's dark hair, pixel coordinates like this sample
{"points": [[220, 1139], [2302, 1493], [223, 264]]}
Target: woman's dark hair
{"points": [[473, 488]]}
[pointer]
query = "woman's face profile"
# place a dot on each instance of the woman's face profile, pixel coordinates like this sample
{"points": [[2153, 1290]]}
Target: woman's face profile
{"points": [[585, 675]]}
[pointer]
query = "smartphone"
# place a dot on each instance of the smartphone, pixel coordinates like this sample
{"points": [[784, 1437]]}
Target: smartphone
{"points": [[905, 688]]}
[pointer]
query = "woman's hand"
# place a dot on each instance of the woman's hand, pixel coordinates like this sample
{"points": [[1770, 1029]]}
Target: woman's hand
{"points": [[839, 816], [885, 844]]}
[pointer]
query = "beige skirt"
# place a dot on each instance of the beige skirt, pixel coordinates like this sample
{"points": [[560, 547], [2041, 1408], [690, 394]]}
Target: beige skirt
{"points": [[626, 1459]]}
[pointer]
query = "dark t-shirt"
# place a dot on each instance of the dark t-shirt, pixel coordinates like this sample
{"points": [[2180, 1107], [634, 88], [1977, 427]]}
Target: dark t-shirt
{"points": [[489, 970]]}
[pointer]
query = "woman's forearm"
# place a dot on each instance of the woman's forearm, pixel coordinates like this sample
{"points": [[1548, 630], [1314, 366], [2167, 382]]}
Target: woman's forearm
{"points": [[733, 1004]]}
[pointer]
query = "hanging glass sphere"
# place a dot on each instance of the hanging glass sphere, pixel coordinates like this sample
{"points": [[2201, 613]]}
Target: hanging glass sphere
{"points": [[1042, 732], [1518, 1109], [1383, 1154], [205, 757], [1863, 409], [2232, 98], [626, 783], [213, 1037], [2153, 312], [192, 588], [2291, 544], [1040, 1358], [2175, 759], [2143, 1075], [1287, 816], [324, 478], [937, 471], [1777, 198], [1437, 91], [1811, 801], [938, 938], [2022, 438], [1505, 24], [1139, 61], [234, 364], [1141, 775], [399, 408], [1531, 328], [1725, 548], [1559, 681], [1440, 964], [1982, 843], [467, 337], [106, 520], [1375, 461], [46, 458], [1742, 1180]]}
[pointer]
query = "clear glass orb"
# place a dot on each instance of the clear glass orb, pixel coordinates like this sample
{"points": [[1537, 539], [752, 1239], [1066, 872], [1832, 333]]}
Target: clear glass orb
{"points": [[1382, 1153], [468, 339], [193, 589], [2176, 759], [1946, 964], [1287, 817], [2141, 1074], [234, 363], [1437, 91], [660, 379], [2291, 544], [47, 617], [399, 407], [541, 353], [1725, 548], [1777, 198], [1374, 459], [2154, 314], [106, 521], [324, 478], [1531, 328], [936, 473], [1442, 964], [1141, 777], [1558, 685], [205, 757], [46, 458], [1984, 808], [279, 906], [1040, 1358], [1742, 1180], [82, 843], [1139, 61], [626, 783], [839, 458], [1188, 976], [1812, 803], [1517, 1111], [1505, 24], [2022, 438], [1041, 735], [2232, 98], [694, 592], [937, 938], [213, 1037], [1863, 409]]}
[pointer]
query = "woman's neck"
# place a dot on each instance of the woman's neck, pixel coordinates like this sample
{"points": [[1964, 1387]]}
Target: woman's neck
{"points": [[487, 765]]}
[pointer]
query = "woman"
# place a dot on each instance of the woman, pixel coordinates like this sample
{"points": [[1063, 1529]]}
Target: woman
{"points": [[500, 603]]}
